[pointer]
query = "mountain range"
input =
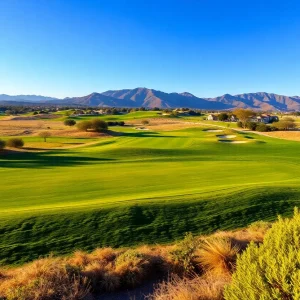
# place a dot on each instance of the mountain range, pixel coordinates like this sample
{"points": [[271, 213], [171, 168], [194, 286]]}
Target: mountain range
{"points": [[150, 98]]}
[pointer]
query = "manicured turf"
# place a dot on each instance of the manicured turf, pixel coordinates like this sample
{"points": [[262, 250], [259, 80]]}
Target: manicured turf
{"points": [[141, 187]]}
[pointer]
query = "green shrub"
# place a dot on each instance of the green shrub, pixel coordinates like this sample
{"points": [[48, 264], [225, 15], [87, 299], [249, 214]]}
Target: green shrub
{"points": [[262, 127], [15, 143], [260, 226], [99, 125], [239, 124], [272, 270], [2, 144], [84, 125], [69, 122], [185, 255], [284, 124], [251, 125], [223, 116]]}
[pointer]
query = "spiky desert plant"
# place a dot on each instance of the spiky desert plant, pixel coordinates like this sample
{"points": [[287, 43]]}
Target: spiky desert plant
{"points": [[217, 255]]}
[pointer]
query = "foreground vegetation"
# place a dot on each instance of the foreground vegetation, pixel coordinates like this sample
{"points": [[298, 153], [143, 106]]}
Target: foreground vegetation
{"points": [[260, 262], [84, 275]]}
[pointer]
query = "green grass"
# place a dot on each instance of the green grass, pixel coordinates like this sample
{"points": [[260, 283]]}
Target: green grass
{"points": [[122, 117], [141, 187]]}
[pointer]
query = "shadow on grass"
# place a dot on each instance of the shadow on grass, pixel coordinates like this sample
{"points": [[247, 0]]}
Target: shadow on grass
{"points": [[13, 159]]}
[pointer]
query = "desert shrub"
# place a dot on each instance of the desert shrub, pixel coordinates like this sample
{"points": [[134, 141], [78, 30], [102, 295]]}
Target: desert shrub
{"points": [[45, 135], [45, 279], [185, 254], [98, 125], [261, 226], [239, 124], [218, 255], [84, 125], [251, 125], [223, 116], [131, 266], [69, 122], [197, 288], [261, 127], [145, 122], [2, 144], [285, 124], [15, 143], [104, 254], [271, 270]]}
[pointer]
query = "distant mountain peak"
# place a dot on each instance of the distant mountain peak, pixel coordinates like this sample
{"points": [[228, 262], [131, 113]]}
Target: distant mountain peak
{"points": [[187, 94], [150, 98]]}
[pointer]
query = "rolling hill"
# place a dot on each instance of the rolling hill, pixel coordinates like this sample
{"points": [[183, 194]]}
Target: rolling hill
{"points": [[25, 98], [151, 98], [261, 101]]}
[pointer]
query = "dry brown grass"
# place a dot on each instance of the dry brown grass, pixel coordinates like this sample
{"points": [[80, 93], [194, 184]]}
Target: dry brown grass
{"points": [[199, 288], [287, 135], [218, 255], [34, 127], [107, 269], [44, 279]]}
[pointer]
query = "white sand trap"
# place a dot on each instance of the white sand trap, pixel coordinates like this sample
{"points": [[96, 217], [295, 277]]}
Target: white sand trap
{"points": [[233, 142], [214, 130], [226, 136], [141, 128]]}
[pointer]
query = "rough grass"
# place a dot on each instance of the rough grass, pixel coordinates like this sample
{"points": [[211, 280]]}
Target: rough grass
{"points": [[82, 274], [141, 187]]}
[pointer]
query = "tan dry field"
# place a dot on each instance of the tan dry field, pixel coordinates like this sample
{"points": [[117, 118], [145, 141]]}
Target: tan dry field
{"points": [[27, 127], [287, 135]]}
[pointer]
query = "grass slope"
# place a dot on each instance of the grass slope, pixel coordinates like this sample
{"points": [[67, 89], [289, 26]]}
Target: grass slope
{"points": [[141, 187]]}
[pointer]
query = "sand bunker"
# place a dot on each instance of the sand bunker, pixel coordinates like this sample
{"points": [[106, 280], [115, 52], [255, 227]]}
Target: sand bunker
{"points": [[233, 142], [226, 136], [213, 130], [141, 128]]}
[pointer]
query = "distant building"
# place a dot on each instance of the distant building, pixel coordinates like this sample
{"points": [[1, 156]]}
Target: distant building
{"points": [[212, 117], [266, 119]]}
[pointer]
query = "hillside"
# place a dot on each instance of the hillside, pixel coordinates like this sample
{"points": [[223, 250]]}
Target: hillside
{"points": [[153, 98], [261, 101], [150, 98], [25, 98]]}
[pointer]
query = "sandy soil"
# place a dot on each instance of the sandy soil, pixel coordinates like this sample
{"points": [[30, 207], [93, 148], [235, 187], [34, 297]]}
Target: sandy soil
{"points": [[13, 127], [226, 136]]}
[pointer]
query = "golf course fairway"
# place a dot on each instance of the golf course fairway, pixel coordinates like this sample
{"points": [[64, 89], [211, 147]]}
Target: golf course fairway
{"points": [[142, 187]]}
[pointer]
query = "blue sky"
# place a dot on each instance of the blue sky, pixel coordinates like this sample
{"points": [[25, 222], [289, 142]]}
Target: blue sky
{"points": [[206, 47]]}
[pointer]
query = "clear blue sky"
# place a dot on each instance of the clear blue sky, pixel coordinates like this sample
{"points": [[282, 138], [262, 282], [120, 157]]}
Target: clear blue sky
{"points": [[206, 47]]}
